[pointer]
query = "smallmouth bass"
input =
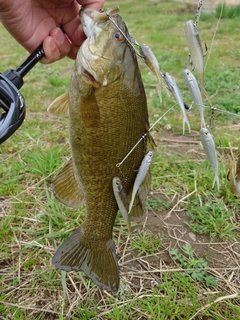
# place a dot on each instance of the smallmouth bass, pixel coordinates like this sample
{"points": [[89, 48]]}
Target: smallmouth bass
{"points": [[107, 116]]}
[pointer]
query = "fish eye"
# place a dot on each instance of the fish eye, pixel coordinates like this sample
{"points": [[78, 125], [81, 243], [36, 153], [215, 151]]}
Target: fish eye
{"points": [[118, 36]]}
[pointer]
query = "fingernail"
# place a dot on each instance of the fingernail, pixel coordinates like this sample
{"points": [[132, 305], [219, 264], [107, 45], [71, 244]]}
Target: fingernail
{"points": [[59, 36]]}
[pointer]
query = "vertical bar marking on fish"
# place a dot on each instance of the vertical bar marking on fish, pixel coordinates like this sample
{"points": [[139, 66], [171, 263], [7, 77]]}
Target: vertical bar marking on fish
{"points": [[210, 151], [173, 88]]}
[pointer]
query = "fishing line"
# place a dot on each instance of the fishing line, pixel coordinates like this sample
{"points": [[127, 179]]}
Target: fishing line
{"points": [[161, 117], [126, 38], [144, 136], [219, 110], [214, 35], [223, 111]]}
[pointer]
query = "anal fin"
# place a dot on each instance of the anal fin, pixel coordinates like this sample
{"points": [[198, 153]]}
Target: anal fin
{"points": [[66, 188]]}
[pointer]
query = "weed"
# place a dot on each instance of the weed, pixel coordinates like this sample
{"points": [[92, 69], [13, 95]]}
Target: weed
{"points": [[34, 223], [155, 203], [212, 218], [196, 266], [146, 243]]}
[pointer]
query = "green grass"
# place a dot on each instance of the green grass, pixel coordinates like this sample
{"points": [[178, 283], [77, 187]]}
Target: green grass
{"points": [[212, 219], [226, 12], [196, 267], [164, 274]]}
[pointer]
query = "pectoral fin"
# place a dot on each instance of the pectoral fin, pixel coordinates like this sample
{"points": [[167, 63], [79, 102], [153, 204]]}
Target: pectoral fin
{"points": [[67, 189], [60, 106]]}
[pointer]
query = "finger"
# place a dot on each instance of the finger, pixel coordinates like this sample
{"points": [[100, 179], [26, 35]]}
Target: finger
{"points": [[56, 46], [74, 31], [96, 5], [62, 41], [73, 53], [51, 51]]}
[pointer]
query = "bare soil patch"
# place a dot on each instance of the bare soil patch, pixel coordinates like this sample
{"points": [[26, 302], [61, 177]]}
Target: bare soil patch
{"points": [[170, 225]]}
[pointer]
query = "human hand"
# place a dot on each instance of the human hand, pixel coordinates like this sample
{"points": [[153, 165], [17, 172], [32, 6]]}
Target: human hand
{"points": [[32, 22]]}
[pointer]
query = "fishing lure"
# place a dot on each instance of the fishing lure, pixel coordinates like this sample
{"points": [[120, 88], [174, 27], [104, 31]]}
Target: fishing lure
{"points": [[210, 151], [172, 86], [195, 92], [142, 172], [122, 200]]}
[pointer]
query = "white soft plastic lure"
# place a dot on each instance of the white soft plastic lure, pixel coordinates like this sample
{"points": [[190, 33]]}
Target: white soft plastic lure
{"points": [[173, 88], [142, 172], [122, 200], [151, 60], [152, 63], [195, 92], [195, 50], [210, 151]]}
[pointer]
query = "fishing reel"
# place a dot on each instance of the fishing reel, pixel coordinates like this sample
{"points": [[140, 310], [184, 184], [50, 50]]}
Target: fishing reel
{"points": [[12, 103]]}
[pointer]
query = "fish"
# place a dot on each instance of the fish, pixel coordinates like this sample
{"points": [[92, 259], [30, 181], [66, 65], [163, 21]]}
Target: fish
{"points": [[234, 176], [151, 61], [196, 54], [142, 172], [210, 151], [195, 92], [173, 88], [122, 200], [195, 49], [108, 115]]}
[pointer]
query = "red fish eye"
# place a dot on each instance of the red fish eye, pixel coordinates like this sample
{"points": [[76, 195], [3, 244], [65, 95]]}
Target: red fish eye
{"points": [[118, 36]]}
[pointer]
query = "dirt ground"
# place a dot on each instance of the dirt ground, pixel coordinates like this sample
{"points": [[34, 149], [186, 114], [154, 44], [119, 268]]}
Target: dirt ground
{"points": [[170, 225]]}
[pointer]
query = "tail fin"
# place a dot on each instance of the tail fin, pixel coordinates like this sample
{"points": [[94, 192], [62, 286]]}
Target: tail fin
{"points": [[98, 263]]}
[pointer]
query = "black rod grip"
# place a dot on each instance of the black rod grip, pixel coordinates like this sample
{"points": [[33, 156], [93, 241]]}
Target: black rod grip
{"points": [[28, 64]]}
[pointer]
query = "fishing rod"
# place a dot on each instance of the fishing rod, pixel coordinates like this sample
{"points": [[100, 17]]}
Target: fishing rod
{"points": [[12, 102]]}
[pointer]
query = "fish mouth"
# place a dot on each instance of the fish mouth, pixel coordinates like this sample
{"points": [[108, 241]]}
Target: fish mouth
{"points": [[86, 21], [89, 75], [90, 18]]}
